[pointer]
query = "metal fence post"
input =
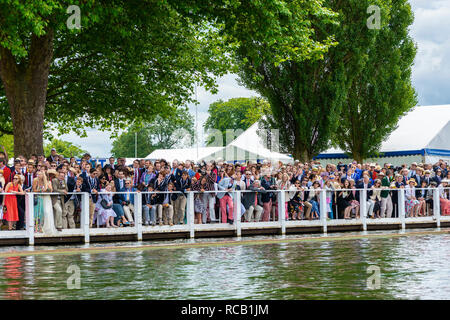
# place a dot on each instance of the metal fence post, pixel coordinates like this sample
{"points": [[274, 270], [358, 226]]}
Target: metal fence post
{"points": [[401, 206], [237, 212], [282, 211], [138, 215], [29, 209], [363, 208], [437, 207], [323, 209], [84, 219], [190, 213]]}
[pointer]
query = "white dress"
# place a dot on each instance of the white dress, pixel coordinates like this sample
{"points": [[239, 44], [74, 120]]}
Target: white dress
{"points": [[49, 223], [102, 213]]}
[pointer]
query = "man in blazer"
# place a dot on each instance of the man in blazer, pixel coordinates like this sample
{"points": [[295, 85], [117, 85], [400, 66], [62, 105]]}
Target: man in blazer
{"points": [[91, 185], [59, 186], [149, 206], [137, 172], [182, 184], [248, 181], [30, 175], [127, 200], [69, 200], [252, 202]]}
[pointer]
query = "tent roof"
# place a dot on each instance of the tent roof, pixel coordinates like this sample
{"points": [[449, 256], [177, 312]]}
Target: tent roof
{"points": [[247, 141], [250, 141], [415, 131], [182, 154]]}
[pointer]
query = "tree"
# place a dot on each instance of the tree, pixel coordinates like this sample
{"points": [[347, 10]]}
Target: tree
{"points": [[236, 113], [134, 59], [175, 130], [65, 148], [7, 142], [307, 96], [130, 61], [382, 91]]}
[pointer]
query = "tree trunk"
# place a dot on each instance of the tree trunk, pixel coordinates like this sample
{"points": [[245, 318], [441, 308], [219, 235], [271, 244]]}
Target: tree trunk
{"points": [[357, 156], [25, 85], [300, 153]]}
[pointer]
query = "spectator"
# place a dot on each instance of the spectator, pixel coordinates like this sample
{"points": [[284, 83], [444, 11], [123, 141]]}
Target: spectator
{"points": [[10, 201], [104, 203]]}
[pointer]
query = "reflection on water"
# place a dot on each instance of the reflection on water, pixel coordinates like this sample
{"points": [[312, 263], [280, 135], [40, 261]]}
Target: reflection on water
{"points": [[412, 267]]}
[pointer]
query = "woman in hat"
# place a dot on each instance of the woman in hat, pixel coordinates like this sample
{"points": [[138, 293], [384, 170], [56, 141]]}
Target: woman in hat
{"points": [[412, 204], [444, 197], [10, 201]]}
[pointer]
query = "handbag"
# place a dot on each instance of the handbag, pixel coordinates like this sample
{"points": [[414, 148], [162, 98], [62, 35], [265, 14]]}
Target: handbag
{"points": [[104, 204]]}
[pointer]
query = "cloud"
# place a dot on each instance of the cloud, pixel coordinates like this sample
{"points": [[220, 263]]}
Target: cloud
{"points": [[431, 31]]}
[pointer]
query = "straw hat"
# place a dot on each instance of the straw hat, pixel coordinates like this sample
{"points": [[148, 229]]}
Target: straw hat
{"points": [[73, 170], [412, 180], [445, 181], [427, 171], [52, 171], [378, 168]]}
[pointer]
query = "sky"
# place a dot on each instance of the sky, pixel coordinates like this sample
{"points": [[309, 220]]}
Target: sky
{"points": [[431, 73]]}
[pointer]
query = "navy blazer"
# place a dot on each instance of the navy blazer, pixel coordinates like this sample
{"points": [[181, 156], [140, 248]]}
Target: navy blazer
{"points": [[123, 196], [182, 185], [88, 187], [360, 185], [266, 197], [70, 187]]}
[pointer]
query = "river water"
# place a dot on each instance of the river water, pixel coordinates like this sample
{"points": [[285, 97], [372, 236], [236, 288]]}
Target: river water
{"points": [[410, 267]]}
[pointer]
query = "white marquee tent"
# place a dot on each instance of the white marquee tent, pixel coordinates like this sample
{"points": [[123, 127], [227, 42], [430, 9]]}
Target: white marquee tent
{"points": [[247, 146], [422, 135]]}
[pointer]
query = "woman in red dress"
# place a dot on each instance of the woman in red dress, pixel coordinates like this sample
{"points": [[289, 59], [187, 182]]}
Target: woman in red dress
{"points": [[10, 201]]}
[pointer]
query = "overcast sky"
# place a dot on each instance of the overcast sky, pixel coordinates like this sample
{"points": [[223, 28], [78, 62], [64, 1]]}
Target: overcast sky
{"points": [[431, 72]]}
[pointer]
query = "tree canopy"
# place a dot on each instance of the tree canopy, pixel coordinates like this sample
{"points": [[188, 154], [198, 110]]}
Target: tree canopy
{"points": [[173, 130], [234, 114], [382, 91], [65, 148], [313, 99], [132, 59]]}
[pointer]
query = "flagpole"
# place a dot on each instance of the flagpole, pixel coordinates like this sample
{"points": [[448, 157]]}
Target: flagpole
{"points": [[196, 118]]}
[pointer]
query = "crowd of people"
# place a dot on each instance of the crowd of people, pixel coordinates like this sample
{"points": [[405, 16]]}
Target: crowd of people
{"points": [[112, 189]]}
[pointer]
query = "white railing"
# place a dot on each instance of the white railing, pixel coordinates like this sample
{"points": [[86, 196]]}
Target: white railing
{"points": [[191, 227]]}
